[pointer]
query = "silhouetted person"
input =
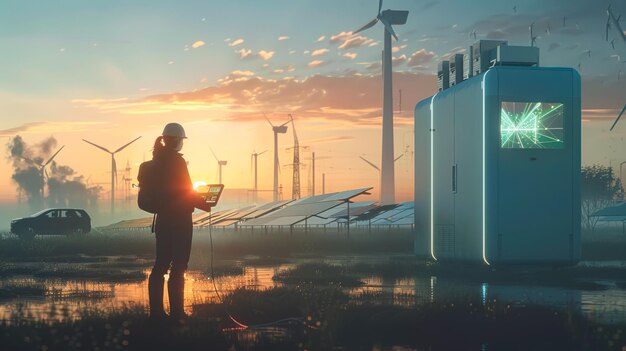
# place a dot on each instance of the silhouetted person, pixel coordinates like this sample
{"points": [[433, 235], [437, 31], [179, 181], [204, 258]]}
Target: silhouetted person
{"points": [[173, 225]]}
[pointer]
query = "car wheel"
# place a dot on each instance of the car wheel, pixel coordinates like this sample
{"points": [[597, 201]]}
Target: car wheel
{"points": [[26, 234]]}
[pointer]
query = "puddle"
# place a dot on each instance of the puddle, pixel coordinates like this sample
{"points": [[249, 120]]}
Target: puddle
{"points": [[64, 299]]}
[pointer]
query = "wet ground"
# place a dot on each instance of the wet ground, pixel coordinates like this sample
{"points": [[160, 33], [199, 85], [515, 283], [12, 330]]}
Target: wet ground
{"points": [[54, 291], [364, 293]]}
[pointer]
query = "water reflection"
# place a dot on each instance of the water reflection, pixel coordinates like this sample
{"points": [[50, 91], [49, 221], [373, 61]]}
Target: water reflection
{"points": [[65, 299]]}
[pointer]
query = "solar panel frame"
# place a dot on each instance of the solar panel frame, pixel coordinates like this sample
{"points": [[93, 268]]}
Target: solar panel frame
{"points": [[317, 221], [306, 210], [285, 221], [266, 209], [226, 223]]}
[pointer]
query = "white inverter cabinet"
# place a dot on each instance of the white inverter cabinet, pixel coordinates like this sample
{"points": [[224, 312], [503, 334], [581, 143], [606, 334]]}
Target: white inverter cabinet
{"points": [[497, 168]]}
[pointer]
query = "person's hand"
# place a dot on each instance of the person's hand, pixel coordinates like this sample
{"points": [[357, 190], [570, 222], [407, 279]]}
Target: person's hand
{"points": [[205, 206]]}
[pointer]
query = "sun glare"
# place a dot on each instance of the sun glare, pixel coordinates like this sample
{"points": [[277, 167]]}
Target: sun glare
{"points": [[198, 184]]}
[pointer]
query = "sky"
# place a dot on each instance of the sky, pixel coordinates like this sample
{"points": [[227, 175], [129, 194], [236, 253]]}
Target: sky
{"points": [[111, 71]]}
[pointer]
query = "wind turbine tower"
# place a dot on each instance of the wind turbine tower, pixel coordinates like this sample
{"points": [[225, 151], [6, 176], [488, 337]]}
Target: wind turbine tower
{"points": [[255, 188], [387, 179], [220, 163], [113, 167], [282, 129]]}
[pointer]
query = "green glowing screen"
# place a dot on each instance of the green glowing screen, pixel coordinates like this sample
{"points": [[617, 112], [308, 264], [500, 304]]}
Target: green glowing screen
{"points": [[531, 125]]}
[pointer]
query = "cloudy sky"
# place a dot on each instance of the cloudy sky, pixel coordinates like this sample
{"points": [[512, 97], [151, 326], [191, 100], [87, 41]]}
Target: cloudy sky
{"points": [[110, 71]]}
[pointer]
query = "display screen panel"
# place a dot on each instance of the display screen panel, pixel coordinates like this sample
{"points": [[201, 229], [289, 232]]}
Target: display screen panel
{"points": [[531, 125]]}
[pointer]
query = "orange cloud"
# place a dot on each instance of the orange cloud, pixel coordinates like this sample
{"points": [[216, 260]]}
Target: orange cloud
{"points": [[238, 73], [396, 61], [319, 52], [236, 42], [198, 44], [395, 49], [244, 53], [315, 63], [358, 41], [284, 37], [248, 54], [50, 127], [266, 55], [421, 58], [354, 97], [350, 55], [343, 36]]}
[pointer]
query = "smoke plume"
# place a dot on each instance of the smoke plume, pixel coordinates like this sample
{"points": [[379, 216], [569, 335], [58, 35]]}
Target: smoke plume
{"points": [[64, 187]]}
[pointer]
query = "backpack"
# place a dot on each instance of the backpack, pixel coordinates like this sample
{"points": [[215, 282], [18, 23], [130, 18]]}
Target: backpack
{"points": [[148, 197]]}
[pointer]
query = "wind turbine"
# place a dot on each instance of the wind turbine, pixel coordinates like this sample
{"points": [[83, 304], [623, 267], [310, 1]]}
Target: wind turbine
{"points": [[376, 167], [282, 129], [113, 167], [615, 21], [220, 163], [42, 168], [387, 179], [254, 158]]}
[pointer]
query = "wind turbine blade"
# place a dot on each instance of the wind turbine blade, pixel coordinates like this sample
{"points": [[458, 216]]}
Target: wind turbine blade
{"points": [[122, 148], [397, 158], [368, 25], [618, 117], [53, 156], [214, 155], [262, 153], [98, 146], [284, 124], [380, 6], [268, 121], [369, 163], [388, 27]]}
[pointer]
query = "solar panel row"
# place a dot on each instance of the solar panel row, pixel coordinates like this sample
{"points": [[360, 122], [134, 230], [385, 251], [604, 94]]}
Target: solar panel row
{"points": [[320, 210]]}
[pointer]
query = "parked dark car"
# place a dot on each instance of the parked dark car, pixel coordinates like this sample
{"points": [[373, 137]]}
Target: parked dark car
{"points": [[53, 221]]}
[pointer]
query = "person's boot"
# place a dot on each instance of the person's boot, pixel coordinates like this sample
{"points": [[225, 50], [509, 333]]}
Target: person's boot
{"points": [[176, 292], [155, 297]]}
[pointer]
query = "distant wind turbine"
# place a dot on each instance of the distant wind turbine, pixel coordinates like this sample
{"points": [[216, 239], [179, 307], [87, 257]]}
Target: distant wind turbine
{"points": [[42, 168], [281, 129], [615, 21], [220, 163], [376, 167], [254, 159], [113, 167]]}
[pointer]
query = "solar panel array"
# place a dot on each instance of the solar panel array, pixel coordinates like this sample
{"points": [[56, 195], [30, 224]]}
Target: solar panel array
{"points": [[315, 211]]}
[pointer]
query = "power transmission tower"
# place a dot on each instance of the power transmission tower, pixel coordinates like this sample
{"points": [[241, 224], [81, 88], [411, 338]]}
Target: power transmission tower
{"points": [[295, 189]]}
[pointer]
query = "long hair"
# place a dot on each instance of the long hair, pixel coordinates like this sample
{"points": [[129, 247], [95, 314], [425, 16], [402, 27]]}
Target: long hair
{"points": [[158, 146]]}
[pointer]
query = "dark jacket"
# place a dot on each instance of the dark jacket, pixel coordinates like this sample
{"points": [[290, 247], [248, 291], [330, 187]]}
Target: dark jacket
{"points": [[177, 196]]}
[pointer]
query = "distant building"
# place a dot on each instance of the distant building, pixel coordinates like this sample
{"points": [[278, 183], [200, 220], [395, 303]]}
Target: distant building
{"points": [[497, 161]]}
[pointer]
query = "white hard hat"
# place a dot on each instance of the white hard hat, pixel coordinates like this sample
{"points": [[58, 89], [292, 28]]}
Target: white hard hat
{"points": [[174, 130]]}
